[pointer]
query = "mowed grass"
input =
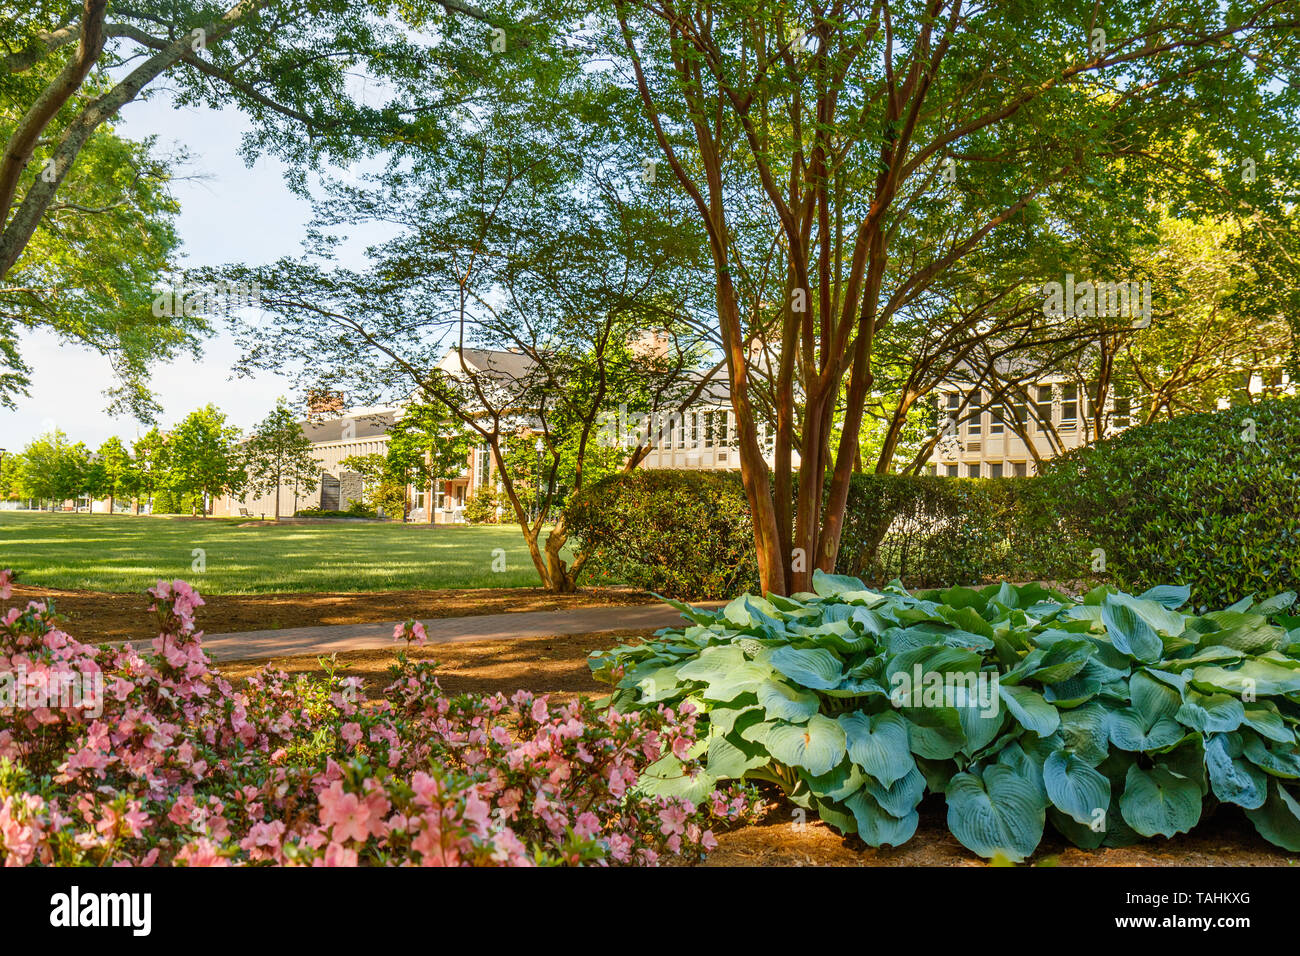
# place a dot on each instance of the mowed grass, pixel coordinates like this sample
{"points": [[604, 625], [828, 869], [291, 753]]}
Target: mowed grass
{"points": [[130, 553]]}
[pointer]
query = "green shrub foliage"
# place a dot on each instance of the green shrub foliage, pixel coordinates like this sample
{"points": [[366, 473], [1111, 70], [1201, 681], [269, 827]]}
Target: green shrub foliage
{"points": [[688, 534], [1113, 718], [1209, 500], [679, 533]]}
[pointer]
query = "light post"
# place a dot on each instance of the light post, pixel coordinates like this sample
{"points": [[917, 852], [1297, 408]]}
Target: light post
{"points": [[541, 447]]}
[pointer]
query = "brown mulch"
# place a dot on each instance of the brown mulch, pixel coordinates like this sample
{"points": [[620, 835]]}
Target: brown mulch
{"points": [[98, 616]]}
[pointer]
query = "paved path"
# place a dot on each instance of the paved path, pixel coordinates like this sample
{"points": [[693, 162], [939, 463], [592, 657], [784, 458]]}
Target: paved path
{"points": [[442, 630]]}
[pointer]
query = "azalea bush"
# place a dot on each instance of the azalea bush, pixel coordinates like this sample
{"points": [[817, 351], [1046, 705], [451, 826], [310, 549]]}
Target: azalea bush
{"points": [[1113, 717], [157, 759]]}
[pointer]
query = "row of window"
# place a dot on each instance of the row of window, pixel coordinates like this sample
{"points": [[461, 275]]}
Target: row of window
{"points": [[1045, 405], [988, 469]]}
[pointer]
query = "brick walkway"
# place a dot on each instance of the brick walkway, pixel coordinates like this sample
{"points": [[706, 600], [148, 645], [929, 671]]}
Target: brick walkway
{"points": [[284, 642]]}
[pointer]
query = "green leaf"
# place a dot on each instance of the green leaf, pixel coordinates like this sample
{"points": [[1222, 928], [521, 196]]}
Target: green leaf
{"points": [[1278, 820], [1084, 733], [1234, 780], [1211, 713], [814, 667], [780, 701], [1030, 710], [1129, 631], [1159, 801], [816, 747], [1074, 787], [879, 745], [934, 732], [902, 796], [875, 826], [1259, 676], [999, 814]]}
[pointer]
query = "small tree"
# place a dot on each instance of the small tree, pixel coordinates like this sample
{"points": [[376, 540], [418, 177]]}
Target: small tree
{"points": [[204, 457], [111, 473], [152, 464], [53, 468], [435, 446], [380, 487], [279, 452]]}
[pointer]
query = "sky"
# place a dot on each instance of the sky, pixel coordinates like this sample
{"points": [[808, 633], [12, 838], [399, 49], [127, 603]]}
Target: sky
{"points": [[229, 213]]}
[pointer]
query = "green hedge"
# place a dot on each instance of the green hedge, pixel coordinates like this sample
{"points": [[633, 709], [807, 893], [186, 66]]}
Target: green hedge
{"points": [[678, 533], [689, 534], [1192, 501]]}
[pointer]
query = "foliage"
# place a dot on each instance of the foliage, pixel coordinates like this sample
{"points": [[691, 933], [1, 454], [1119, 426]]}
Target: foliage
{"points": [[358, 509], [165, 762], [53, 468], [203, 458], [679, 533], [1112, 717], [279, 453], [1208, 500], [481, 507]]}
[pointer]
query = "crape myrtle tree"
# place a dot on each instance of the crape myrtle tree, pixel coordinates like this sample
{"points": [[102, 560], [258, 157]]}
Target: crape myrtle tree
{"points": [[86, 216], [278, 452], [849, 122], [522, 231]]}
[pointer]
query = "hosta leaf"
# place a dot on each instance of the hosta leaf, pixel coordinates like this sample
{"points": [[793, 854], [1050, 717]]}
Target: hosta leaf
{"points": [[1129, 630], [1211, 713], [1030, 710], [729, 758], [1159, 801], [1074, 787], [814, 667], [1234, 780], [816, 746], [934, 732], [1263, 717], [1080, 834], [780, 701], [878, 744], [1084, 733], [1129, 730], [902, 796], [844, 779], [1259, 676], [1169, 596], [1274, 762], [1278, 820], [875, 826], [999, 814], [1152, 698]]}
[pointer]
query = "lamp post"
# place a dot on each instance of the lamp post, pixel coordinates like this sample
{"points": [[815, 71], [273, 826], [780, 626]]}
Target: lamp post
{"points": [[541, 447]]}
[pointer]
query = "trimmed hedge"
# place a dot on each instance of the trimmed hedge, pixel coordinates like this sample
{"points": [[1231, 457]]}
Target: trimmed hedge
{"points": [[684, 534], [689, 534], [1192, 501]]}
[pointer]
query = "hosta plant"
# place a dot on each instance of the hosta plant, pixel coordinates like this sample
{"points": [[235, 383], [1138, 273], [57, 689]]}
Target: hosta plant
{"points": [[1112, 717]]}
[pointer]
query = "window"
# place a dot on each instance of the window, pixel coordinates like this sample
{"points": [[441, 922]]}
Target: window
{"points": [[722, 428], [995, 421], [1044, 406], [484, 467], [950, 423], [952, 471], [995, 469], [973, 416], [1069, 406], [1122, 417], [708, 429], [695, 429], [682, 423], [1021, 409], [972, 471], [1019, 469]]}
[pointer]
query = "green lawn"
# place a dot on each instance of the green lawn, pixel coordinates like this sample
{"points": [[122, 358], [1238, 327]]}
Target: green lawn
{"points": [[130, 553]]}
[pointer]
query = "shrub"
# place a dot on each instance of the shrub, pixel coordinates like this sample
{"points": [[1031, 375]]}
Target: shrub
{"points": [[688, 534], [1113, 717], [1208, 500], [165, 762], [481, 507], [679, 533], [357, 509]]}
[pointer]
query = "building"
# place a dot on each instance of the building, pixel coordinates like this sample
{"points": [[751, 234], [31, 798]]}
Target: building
{"points": [[701, 438]]}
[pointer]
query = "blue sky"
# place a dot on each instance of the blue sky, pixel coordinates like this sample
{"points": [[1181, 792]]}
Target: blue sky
{"points": [[231, 213]]}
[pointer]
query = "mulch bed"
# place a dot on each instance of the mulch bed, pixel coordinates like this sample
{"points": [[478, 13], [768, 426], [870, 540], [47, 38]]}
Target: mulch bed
{"points": [[96, 616]]}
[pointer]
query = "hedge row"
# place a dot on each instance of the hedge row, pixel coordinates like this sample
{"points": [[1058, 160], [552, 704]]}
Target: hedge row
{"points": [[1211, 501]]}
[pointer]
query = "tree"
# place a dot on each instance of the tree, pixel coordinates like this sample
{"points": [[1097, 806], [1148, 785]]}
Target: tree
{"points": [[85, 216], [111, 472], [203, 457], [152, 465], [53, 468], [278, 453], [380, 487], [848, 125], [432, 445]]}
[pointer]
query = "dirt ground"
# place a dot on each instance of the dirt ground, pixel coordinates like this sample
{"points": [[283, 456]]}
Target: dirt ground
{"points": [[557, 665], [96, 616]]}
